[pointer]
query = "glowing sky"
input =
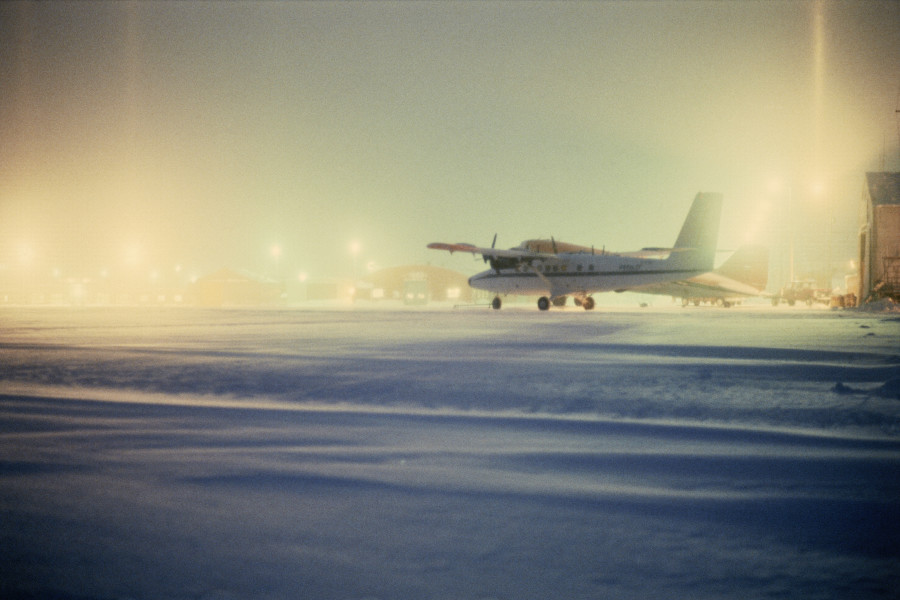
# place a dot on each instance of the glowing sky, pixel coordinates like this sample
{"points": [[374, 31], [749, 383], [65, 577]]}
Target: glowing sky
{"points": [[152, 134]]}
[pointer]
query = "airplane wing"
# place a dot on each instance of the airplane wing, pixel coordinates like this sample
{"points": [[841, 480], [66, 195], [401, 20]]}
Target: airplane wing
{"points": [[702, 287], [493, 253]]}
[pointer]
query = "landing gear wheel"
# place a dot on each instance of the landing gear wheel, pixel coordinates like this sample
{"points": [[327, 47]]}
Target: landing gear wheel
{"points": [[543, 303], [561, 301], [588, 303], [496, 303]]}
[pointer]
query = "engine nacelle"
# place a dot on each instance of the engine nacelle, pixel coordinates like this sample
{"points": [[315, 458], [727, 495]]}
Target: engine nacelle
{"points": [[499, 263]]}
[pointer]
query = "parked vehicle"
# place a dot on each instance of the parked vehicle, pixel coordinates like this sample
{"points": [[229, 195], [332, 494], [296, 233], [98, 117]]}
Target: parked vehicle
{"points": [[802, 291]]}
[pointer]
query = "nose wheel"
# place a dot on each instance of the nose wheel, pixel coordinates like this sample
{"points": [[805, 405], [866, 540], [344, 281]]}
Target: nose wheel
{"points": [[496, 303]]}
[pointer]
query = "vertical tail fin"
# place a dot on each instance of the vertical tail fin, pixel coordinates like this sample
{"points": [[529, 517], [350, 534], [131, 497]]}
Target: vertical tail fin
{"points": [[695, 248]]}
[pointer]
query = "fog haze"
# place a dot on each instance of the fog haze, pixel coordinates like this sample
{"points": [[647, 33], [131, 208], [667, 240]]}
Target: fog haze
{"points": [[149, 135]]}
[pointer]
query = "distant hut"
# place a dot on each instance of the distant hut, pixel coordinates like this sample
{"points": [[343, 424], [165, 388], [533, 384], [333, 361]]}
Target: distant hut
{"points": [[879, 238], [228, 287], [330, 289]]}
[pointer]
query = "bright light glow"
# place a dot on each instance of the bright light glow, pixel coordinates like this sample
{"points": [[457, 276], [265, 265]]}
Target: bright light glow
{"points": [[129, 175], [133, 254], [759, 223], [25, 255], [302, 276], [817, 189], [818, 82]]}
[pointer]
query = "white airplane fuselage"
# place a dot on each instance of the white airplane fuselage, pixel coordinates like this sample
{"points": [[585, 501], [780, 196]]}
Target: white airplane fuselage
{"points": [[577, 274]]}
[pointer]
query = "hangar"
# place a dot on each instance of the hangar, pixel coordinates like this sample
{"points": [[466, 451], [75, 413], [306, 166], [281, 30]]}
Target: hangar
{"points": [[879, 238], [417, 284]]}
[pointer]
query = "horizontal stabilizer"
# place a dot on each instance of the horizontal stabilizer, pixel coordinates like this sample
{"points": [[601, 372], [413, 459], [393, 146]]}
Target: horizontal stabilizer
{"points": [[749, 264]]}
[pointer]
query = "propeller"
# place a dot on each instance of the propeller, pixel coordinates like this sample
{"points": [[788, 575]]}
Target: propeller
{"points": [[493, 244], [496, 263]]}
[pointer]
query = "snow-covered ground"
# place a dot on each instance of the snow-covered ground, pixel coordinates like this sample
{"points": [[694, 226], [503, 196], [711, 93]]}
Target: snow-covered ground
{"points": [[440, 453]]}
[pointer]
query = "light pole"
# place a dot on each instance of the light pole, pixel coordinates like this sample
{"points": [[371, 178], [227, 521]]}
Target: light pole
{"points": [[275, 251], [778, 189], [354, 252], [816, 190], [792, 229]]}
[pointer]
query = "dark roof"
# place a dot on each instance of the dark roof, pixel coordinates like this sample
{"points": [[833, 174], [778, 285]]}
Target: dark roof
{"points": [[884, 188]]}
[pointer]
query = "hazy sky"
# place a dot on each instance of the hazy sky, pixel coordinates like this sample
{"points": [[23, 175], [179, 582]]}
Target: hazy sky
{"points": [[149, 134]]}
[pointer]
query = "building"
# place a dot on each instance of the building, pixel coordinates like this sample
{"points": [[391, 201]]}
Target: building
{"points": [[417, 284], [329, 289], [879, 238]]}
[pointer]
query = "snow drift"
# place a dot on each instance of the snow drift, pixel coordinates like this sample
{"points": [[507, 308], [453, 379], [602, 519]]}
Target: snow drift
{"points": [[447, 454]]}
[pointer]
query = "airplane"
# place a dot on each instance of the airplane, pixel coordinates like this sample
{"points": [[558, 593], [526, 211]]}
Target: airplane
{"points": [[743, 275], [554, 270]]}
